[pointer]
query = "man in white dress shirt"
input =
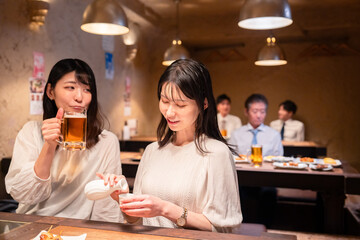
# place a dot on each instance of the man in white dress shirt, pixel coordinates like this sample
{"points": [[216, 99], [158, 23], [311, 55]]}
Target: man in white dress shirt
{"points": [[227, 122], [289, 129], [255, 132]]}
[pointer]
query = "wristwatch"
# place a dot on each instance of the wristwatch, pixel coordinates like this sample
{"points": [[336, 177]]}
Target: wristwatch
{"points": [[181, 221]]}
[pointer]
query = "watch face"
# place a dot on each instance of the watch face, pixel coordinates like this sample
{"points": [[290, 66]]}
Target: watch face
{"points": [[180, 221]]}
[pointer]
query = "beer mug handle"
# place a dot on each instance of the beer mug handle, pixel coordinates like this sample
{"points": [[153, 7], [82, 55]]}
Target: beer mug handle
{"points": [[248, 154], [60, 140]]}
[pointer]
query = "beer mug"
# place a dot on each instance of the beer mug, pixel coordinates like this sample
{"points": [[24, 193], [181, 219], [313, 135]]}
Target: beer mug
{"points": [[73, 130], [256, 155]]}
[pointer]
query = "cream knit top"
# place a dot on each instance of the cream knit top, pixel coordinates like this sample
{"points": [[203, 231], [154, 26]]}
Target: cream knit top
{"points": [[203, 183]]}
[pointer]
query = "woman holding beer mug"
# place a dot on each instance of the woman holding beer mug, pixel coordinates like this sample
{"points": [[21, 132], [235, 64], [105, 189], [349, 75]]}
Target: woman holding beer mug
{"points": [[47, 179], [188, 178]]}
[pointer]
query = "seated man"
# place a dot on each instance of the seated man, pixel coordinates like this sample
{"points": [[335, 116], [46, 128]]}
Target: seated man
{"points": [[227, 122], [258, 203], [255, 132], [290, 130]]}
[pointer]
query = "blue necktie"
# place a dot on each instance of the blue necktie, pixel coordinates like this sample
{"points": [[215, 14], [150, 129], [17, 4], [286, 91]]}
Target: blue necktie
{"points": [[282, 131], [255, 132]]}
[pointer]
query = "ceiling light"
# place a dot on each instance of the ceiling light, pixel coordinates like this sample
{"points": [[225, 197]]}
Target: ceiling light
{"points": [[38, 10], [105, 17], [265, 14], [176, 51], [271, 54]]}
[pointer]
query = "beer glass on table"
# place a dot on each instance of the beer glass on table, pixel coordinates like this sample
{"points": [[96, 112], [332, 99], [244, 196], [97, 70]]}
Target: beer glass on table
{"points": [[256, 155], [223, 130], [73, 129]]}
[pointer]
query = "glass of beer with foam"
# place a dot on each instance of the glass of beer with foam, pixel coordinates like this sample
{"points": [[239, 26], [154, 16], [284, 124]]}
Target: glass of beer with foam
{"points": [[256, 155], [73, 129]]}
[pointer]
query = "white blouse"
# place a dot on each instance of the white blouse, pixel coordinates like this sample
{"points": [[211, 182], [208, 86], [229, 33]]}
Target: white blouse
{"points": [[202, 183], [62, 194]]}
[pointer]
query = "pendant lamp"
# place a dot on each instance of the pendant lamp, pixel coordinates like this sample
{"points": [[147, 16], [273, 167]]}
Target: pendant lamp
{"points": [[176, 51], [271, 54], [105, 17], [38, 10], [265, 14]]}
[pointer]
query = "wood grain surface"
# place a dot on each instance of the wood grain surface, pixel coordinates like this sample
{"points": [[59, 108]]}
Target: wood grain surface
{"points": [[95, 234]]}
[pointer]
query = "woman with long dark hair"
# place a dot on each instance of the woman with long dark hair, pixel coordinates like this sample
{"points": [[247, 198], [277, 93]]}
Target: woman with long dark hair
{"points": [[187, 178], [46, 179]]}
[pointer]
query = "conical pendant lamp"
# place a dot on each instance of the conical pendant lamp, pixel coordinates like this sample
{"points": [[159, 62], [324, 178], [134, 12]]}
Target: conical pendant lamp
{"points": [[176, 51], [271, 54], [265, 14], [105, 17]]}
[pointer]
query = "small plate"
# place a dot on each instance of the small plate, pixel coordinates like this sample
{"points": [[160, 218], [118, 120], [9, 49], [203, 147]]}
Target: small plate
{"points": [[278, 159], [268, 158], [286, 165], [316, 167], [239, 160], [81, 237], [336, 164], [283, 159]]}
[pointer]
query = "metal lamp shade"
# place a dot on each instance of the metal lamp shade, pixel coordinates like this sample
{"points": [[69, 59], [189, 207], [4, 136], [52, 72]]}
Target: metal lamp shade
{"points": [[265, 14], [105, 17], [271, 55], [38, 10], [174, 53]]}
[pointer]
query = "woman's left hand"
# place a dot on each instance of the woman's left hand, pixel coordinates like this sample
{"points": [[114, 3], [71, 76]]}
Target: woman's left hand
{"points": [[142, 206]]}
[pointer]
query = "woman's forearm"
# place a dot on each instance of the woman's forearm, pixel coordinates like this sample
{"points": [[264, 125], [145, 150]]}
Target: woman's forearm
{"points": [[44, 161], [193, 220]]}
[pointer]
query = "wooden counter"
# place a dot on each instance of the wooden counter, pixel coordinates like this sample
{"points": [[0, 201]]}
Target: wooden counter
{"points": [[105, 230]]}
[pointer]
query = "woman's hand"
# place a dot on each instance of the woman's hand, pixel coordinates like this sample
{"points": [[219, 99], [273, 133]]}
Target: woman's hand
{"points": [[51, 128], [112, 180], [142, 206]]}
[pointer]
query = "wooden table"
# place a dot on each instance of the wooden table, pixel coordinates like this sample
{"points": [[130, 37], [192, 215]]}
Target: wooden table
{"points": [[303, 149], [33, 225], [330, 186]]}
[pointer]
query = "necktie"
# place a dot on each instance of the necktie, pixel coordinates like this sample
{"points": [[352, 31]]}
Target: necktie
{"points": [[282, 131], [255, 132]]}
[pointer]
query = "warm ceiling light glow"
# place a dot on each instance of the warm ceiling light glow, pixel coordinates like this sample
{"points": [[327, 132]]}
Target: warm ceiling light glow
{"points": [[38, 10], [271, 54], [105, 17], [176, 51], [265, 14]]}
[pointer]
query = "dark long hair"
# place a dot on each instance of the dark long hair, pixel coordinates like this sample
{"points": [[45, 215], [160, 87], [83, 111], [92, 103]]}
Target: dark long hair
{"points": [[85, 75], [193, 79]]}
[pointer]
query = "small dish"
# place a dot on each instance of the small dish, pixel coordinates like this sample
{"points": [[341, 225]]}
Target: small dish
{"points": [[334, 163], [242, 159], [321, 167], [290, 165], [81, 237]]}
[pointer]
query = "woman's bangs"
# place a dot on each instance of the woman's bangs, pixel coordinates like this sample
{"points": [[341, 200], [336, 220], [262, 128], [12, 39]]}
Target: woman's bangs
{"points": [[172, 91], [82, 78]]}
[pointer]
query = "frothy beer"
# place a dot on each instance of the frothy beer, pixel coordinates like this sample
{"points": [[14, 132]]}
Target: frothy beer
{"points": [[256, 155], [74, 132]]}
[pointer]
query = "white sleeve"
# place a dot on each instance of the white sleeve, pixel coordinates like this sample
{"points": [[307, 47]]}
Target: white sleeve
{"points": [[222, 187], [107, 209], [21, 181], [301, 134], [278, 147]]}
